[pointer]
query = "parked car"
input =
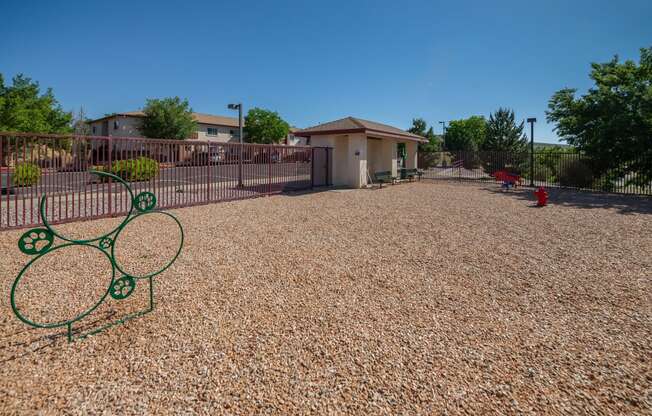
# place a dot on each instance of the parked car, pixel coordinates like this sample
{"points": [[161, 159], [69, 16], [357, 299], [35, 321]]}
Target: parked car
{"points": [[214, 154], [264, 157], [6, 187]]}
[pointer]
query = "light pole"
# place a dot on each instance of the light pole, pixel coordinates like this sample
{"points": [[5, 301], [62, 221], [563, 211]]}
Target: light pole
{"points": [[443, 134], [532, 120], [239, 108]]}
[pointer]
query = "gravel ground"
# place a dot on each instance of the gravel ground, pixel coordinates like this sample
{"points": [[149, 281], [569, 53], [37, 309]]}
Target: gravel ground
{"points": [[419, 298]]}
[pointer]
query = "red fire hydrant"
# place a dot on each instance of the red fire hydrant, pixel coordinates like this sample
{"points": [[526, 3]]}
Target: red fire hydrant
{"points": [[542, 197]]}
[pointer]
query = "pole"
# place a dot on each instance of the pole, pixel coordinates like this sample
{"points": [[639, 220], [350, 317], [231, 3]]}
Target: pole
{"points": [[443, 134], [532, 120], [241, 145]]}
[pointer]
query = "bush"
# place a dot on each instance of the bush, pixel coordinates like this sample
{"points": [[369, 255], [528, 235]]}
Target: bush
{"points": [[141, 169], [543, 173], [575, 173], [26, 174]]}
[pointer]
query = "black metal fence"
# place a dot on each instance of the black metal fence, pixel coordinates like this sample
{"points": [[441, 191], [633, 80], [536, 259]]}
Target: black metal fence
{"points": [[550, 169]]}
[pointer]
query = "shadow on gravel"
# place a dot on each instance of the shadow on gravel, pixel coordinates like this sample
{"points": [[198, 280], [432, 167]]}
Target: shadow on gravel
{"points": [[28, 341], [316, 190], [624, 204]]}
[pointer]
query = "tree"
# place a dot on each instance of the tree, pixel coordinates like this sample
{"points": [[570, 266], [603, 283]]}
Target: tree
{"points": [[503, 134], [466, 134], [24, 109], [420, 128], [80, 124], [264, 126], [168, 118], [612, 122]]}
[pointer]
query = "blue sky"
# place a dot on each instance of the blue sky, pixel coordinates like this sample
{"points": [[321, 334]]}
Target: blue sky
{"points": [[315, 61]]}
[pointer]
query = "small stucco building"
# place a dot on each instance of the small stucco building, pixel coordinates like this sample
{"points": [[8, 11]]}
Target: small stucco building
{"points": [[361, 148]]}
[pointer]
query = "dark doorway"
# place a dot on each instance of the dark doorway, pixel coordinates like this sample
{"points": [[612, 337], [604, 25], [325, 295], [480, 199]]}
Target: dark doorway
{"points": [[321, 160]]}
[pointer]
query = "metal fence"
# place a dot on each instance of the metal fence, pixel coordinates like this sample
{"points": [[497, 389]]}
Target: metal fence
{"points": [[180, 173], [543, 168]]}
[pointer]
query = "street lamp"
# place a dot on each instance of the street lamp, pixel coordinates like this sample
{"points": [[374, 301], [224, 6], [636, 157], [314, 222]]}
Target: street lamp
{"points": [[443, 134], [239, 108], [532, 120]]}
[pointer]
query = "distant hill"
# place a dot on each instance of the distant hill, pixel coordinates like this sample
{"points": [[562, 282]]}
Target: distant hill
{"points": [[541, 145]]}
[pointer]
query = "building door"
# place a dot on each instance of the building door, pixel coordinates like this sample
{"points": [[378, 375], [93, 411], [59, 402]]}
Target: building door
{"points": [[321, 161], [401, 155]]}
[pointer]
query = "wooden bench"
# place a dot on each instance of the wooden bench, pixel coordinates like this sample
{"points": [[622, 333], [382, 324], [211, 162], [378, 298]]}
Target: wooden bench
{"points": [[384, 177], [412, 173]]}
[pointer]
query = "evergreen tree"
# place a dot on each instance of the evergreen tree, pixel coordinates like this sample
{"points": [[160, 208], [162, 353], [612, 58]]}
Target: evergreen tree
{"points": [[503, 134]]}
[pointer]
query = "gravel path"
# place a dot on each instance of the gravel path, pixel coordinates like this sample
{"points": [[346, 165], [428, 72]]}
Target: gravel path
{"points": [[419, 298]]}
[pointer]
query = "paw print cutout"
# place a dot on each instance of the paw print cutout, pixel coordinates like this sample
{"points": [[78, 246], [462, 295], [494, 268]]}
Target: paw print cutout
{"points": [[105, 243], [145, 201], [36, 241], [123, 287]]}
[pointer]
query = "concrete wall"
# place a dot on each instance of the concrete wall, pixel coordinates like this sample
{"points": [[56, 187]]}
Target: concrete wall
{"points": [[224, 133], [357, 160], [119, 126], [411, 160], [389, 155], [293, 140]]}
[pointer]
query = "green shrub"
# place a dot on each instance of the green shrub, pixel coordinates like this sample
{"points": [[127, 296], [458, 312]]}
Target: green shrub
{"points": [[141, 169], [26, 174], [543, 173], [98, 178], [575, 173]]}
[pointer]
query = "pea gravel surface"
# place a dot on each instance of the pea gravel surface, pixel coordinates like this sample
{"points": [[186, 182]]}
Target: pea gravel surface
{"points": [[423, 298]]}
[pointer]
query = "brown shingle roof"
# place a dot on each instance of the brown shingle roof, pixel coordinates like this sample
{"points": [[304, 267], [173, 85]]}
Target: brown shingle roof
{"points": [[357, 125], [199, 117]]}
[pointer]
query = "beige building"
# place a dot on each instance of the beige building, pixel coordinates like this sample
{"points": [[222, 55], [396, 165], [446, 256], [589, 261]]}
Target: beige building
{"points": [[209, 127], [361, 148]]}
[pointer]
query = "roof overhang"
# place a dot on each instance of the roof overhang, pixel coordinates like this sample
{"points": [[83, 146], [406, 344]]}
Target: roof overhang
{"points": [[369, 132], [115, 115]]}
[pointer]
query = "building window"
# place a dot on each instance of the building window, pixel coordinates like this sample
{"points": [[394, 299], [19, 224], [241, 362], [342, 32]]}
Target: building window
{"points": [[115, 125], [211, 131], [93, 129]]}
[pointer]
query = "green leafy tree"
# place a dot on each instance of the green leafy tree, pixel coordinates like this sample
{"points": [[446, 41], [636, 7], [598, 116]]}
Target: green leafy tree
{"points": [[264, 126], [168, 118], [612, 122], [466, 134], [503, 134], [420, 127], [24, 109]]}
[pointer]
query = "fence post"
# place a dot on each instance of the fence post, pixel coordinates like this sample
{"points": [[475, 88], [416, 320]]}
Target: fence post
{"points": [[110, 182], [459, 166], [312, 168], [269, 169]]}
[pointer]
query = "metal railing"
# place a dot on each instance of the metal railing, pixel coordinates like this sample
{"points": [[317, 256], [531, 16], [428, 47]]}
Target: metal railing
{"points": [[550, 169], [180, 173]]}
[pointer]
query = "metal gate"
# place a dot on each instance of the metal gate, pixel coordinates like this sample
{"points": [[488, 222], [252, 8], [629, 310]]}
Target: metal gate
{"points": [[322, 158]]}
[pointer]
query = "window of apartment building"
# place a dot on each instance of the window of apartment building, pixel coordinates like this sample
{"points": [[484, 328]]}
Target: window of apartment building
{"points": [[93, 129], [115, 125], [211, 131]]}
